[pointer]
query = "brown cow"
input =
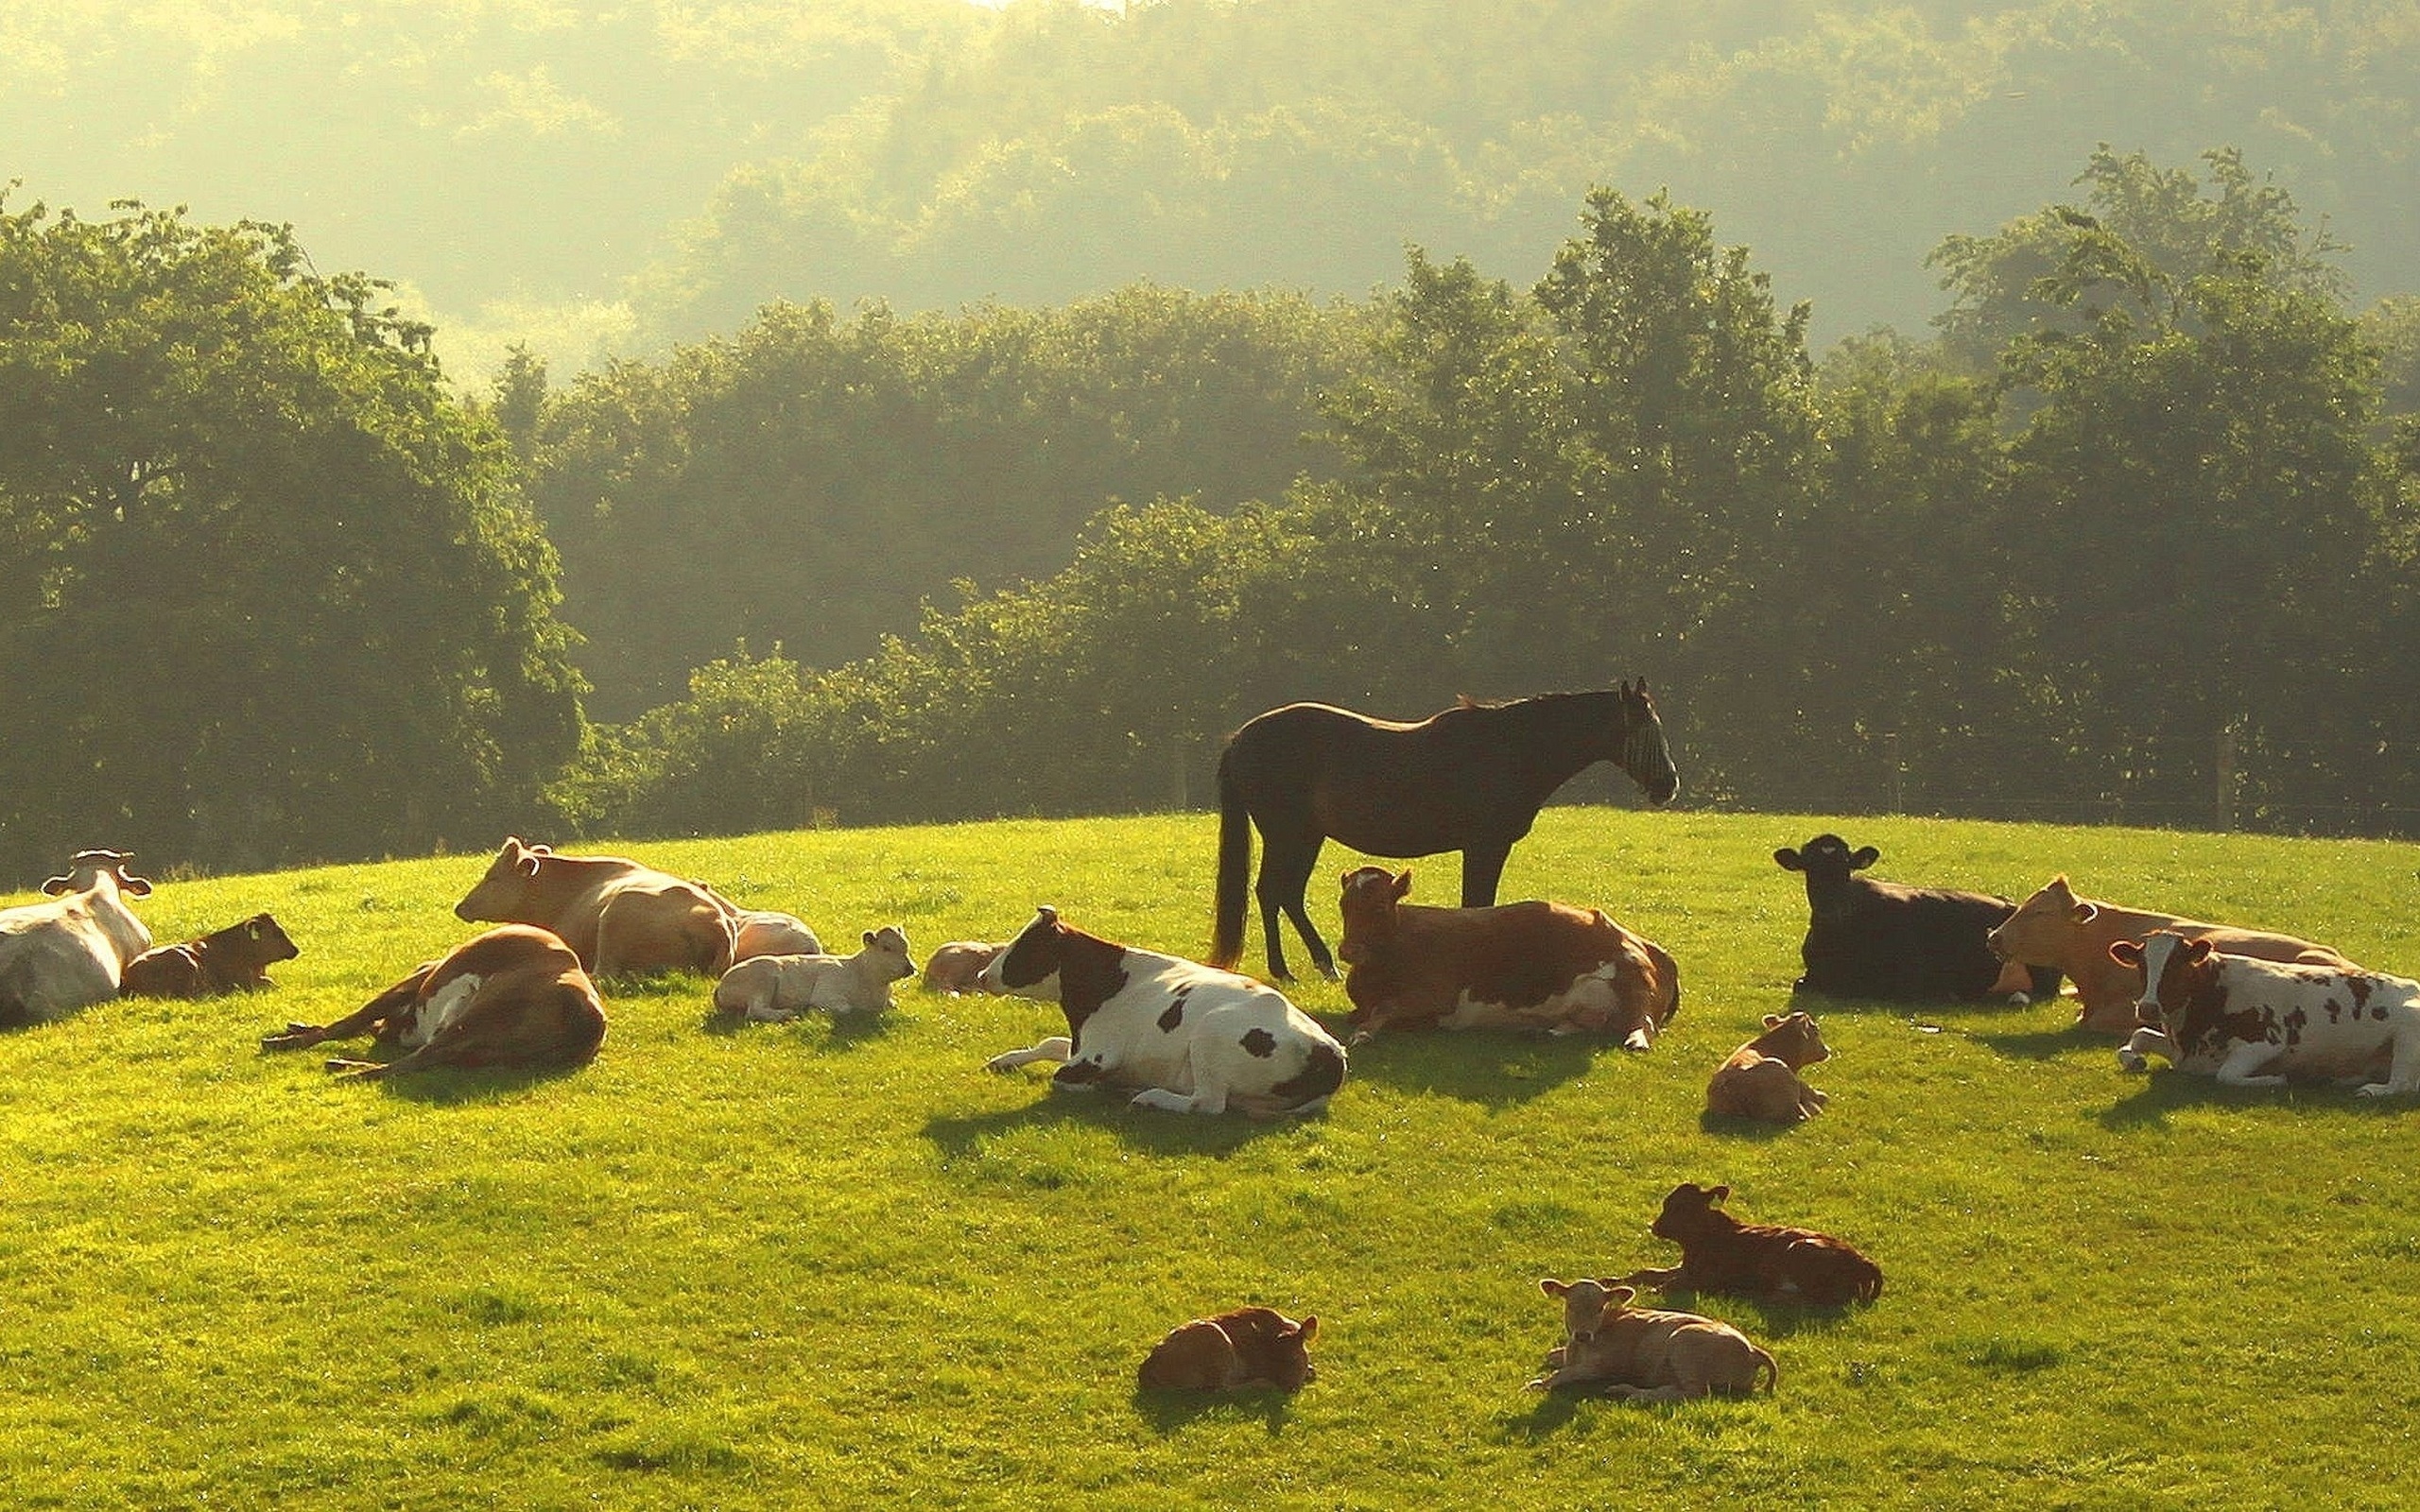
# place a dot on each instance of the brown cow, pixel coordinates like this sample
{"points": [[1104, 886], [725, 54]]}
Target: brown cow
{"points": [[957, 966], [1646, 1355], [1719, 1253], [234, 959], [1762, 1080], [2054, 927], [514, 998], [1248, 1347], [1516, 966], [618, 916]]}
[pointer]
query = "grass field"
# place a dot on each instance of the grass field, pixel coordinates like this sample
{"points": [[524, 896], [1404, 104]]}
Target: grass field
{"points": [[795, 1266]]}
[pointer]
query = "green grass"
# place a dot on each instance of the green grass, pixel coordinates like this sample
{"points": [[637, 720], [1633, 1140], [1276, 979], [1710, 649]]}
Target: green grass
{"points": [[790, 1265]]}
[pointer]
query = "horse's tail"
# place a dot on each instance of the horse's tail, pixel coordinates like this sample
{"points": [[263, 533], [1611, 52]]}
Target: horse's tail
{"points": [[1235, 868]]}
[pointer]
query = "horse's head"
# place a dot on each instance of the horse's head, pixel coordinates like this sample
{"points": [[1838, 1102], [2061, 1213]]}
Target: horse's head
{"points": [[1642, 753]]}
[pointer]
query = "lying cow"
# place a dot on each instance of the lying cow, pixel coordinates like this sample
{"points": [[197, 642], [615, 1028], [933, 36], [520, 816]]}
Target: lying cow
{"points": [[618, 916], [71, 951], [1516, 966], [776, 988], [1762, 1080], [1719, 1253], [514, 998], [1249, 1347], [1646, 1355], [2058, 930], [1184, 1038], [2262, 1023], [234, 959], [1870, 939], [770, 932], [957, 966]]}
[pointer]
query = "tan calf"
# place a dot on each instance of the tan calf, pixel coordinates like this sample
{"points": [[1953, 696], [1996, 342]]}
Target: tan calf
{"points": [[1762, 1080], [1647, 1354], [956, 967], [1248, 1347]]}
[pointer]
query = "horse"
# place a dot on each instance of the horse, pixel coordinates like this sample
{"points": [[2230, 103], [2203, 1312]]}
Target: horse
{"points": [[1469, 779]]}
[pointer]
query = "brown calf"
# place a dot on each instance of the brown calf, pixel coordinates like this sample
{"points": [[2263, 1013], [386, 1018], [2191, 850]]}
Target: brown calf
{"points": [[1719, 1253], [954, 966], [1762, 1080], [514, 998], [1248, 1347], [234, 959], [616, 915]]}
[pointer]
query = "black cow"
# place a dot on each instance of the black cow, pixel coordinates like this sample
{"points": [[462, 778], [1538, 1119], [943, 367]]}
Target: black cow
{"points": [[1879, 939]]}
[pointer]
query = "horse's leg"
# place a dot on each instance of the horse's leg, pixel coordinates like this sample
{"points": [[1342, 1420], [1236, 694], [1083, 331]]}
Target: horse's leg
{"points": [[1482, 867], [1285, 867]]}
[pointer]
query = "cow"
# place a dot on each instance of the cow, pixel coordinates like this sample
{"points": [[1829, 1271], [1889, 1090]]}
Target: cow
{"points": [[1719, 1253], [1646, 1355], [776, 988], [1870, 939], [2252, 1023], [1762, 1080], [234, 959], [769, 931], [515, 998], [1184, 1038], [2057, 930], [1236, 1350], [957, 966], [618, 916], [1514, 966], [71, 951]]}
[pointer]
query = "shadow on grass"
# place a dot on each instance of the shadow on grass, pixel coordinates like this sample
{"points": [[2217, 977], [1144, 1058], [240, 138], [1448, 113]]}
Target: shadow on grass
{"points": [[2044, 1045], [1734, 1126], [1167, 1411], [1487, 1067], [1552, 1414], [2164, 1091], [1143, 1128]]}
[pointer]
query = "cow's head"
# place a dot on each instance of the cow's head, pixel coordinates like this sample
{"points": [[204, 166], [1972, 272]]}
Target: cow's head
{"points": [[501, 896], [1826, 862], [1794, 1039], [2044, 925], [264, 942], [1371, 894], [1287, 1358], [1030, 961], [1687, 1211], [888, 947], [1643, 753], [86, 868], [1587, 1305], [2171, 968]]}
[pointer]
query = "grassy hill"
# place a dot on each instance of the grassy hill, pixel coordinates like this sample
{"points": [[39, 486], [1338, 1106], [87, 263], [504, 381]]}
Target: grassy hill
{"points": [[791, 1265]]}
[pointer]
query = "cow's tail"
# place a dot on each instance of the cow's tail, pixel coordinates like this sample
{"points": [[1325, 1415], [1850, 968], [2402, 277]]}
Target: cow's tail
{"points": [[1235, 868]]}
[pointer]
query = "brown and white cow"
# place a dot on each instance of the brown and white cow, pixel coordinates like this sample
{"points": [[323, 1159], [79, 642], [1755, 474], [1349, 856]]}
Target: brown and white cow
{"points": [[618, 916], [71, 951], [234, 959], [1182, 1037], [1514, 966], [2262, 1023], [1245, 1348], [515, 998], [1647, 1354], [1762, 1080], [2055, 928]]}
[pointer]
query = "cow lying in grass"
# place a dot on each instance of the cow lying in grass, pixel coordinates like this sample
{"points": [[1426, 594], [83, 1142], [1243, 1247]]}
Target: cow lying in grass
{"points": [[1869, 938], [621, 916], [2262, 1023], [1236, 1350], [514, 998], [776, 988], [234, 959], [1719, 1253], [71, 951], [957, 966], [1762, 1080], [1646, 1355]]}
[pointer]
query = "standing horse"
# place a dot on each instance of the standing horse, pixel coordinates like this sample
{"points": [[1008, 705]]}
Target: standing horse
{"points": [[1469, 779]]}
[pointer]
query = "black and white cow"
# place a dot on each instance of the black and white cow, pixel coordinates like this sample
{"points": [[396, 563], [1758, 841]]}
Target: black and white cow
{"points": [[2261, 1023], [1867, 938], [1184, 1036]]}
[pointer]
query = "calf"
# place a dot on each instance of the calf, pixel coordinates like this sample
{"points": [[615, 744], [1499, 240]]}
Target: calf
{"points": [[2056, 929], [1719, 1253], [514, 998], [1762, 1080], [1517, 965], [2262, 1023], [617, 915], [1249, 1347], [1182, 1037], [234, 959], [1869, 938], [776, 988], [1644, 1354], [71, 951], [957, 966]]}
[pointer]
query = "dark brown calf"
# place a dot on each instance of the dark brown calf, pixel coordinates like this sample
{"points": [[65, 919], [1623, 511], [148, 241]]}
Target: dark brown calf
{"points": [[234, 959], [514, 998], [1719, 1253], [1249, 1347]]}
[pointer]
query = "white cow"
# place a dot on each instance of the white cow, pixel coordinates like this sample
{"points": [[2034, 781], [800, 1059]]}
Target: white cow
{"points": [[776, 988], [770, 931], [2261, 1023], [1186, 1037], [71, 953]]}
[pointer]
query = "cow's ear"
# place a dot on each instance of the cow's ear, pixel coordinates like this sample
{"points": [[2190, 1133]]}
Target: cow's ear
{"points": [[252, 930], [1402, 888], [1772, 1020], [1045, 914], [1715, 1194], [2198, 951], [542, 850], [1552, 1287], [1617, 1296], [55, 885], [1787, 860], [1866, 855], [2126, 953], [129, 883], [868, 935], [527, 865], [1303, 1329], [2084, 913]]}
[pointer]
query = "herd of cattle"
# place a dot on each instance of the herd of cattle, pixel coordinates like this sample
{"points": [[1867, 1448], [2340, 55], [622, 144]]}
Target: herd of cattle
{"points": [[2248, 1006]]}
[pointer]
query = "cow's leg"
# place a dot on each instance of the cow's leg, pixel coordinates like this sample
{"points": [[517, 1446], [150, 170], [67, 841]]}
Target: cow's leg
{"points": [[1483, 868], [2241, 1067], [2403, 1074], [2134, 1054], [1057, 1048], [1667, 1392], [362, 1020], [1286, 861], [1663, 1280]]}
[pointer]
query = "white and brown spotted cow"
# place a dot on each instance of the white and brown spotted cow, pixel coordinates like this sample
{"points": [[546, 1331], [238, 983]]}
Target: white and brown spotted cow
{"points": [[2252, 1023], [1183, 1036], [1514, 966]]}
